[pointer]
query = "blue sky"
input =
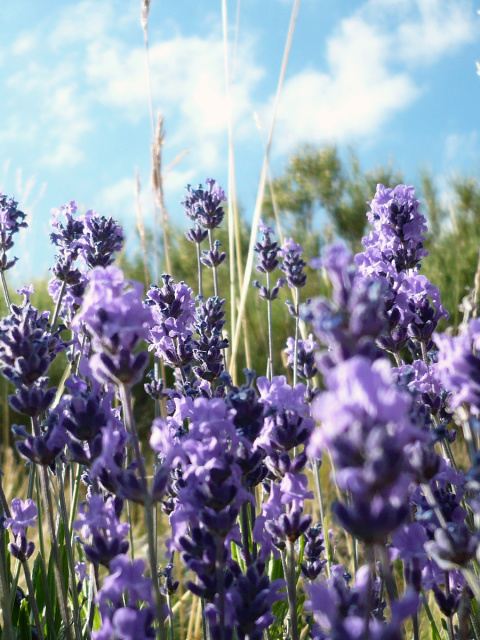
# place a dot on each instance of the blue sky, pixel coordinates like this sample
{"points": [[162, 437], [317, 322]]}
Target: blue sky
{"points": [[395, 78]]}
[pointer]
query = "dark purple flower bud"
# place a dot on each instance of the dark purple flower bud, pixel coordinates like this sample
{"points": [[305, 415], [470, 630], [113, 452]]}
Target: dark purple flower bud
{"points": [[22, 551], [169, 586], [155, 388], [197, 234], [252, 597], [371, 521], [213, 258], [249, 411], [269, 294], [34, 400], [453, 547], [314, 546], [448, 604], [160, 483], [44, 448]]}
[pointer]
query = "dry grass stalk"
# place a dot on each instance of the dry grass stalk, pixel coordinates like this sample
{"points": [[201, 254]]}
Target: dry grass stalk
{"points": [[141, 227], [261, 188]]}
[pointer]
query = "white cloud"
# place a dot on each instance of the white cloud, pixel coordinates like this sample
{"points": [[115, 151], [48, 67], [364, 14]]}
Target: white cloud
{"points": [[370, 63], [188, 81], [461, 150], [24, 44], [440, 29]]}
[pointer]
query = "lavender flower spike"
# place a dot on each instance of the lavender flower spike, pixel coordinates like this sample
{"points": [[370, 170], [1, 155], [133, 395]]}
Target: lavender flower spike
{"points": [[23, 516]]}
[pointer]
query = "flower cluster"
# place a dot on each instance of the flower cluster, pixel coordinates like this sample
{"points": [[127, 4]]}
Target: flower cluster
{"points": [[236, 466], [11, 221]]}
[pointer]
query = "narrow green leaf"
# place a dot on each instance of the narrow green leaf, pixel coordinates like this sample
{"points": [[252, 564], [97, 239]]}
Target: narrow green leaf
{"points": [[24, 628]]}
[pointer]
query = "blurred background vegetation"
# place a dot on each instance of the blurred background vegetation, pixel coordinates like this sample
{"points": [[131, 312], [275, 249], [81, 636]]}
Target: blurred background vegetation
{"points": [[317, 198]]}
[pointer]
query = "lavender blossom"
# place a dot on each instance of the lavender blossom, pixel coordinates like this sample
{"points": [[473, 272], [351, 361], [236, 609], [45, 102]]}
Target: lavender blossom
{"points": [[203, 205], [98, 522], [11, 221], [397, 238], [23, 516], [352, 321], [458, 366], [119, 599], [116, 320], [292, 264], [101, 238], [307, 349]]}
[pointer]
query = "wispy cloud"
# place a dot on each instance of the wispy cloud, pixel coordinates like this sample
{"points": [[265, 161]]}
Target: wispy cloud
{"points": [[370, 69]]}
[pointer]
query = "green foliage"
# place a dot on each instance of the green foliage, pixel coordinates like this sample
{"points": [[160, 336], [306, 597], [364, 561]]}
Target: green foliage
{"points": [[454, 249], [317, 182]]}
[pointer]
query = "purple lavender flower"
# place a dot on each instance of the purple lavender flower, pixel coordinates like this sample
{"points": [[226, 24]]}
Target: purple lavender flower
{"points": [[307, 349], [23, 516], [398, 229], [101, 238], [101, 526], [366, 444], [292, 264], [351, 322], [392, 255], [267, 250], [119, 599], [44, 447], [251, 598], [11, 221], [66, 238], [203, 205], [116, 320], [458, 366], [213, 257]]}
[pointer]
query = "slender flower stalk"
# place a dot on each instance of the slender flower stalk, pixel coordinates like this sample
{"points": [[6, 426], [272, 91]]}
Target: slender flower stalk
{"points": [[292, 588], [125, 396], [6, 295], [61, 588], [32, 599], [270, 332], [58, 306], [214, 269], [68, 546], [4, 585]]}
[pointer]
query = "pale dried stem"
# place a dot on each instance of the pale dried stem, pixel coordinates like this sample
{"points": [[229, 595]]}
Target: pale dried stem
{"points": [[261, 189]]}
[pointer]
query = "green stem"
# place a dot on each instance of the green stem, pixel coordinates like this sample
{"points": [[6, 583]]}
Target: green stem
{"points": [[48, 508], [318, 491], [125, 396], [199, 267], [269, 325], [219, 568], [430, 616], [61, 590], [32, 600], [5, 291], [214, 268], [244, 524], [70, 558], [5, 589], [58, 306], [297, 323], [292, 589]]}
